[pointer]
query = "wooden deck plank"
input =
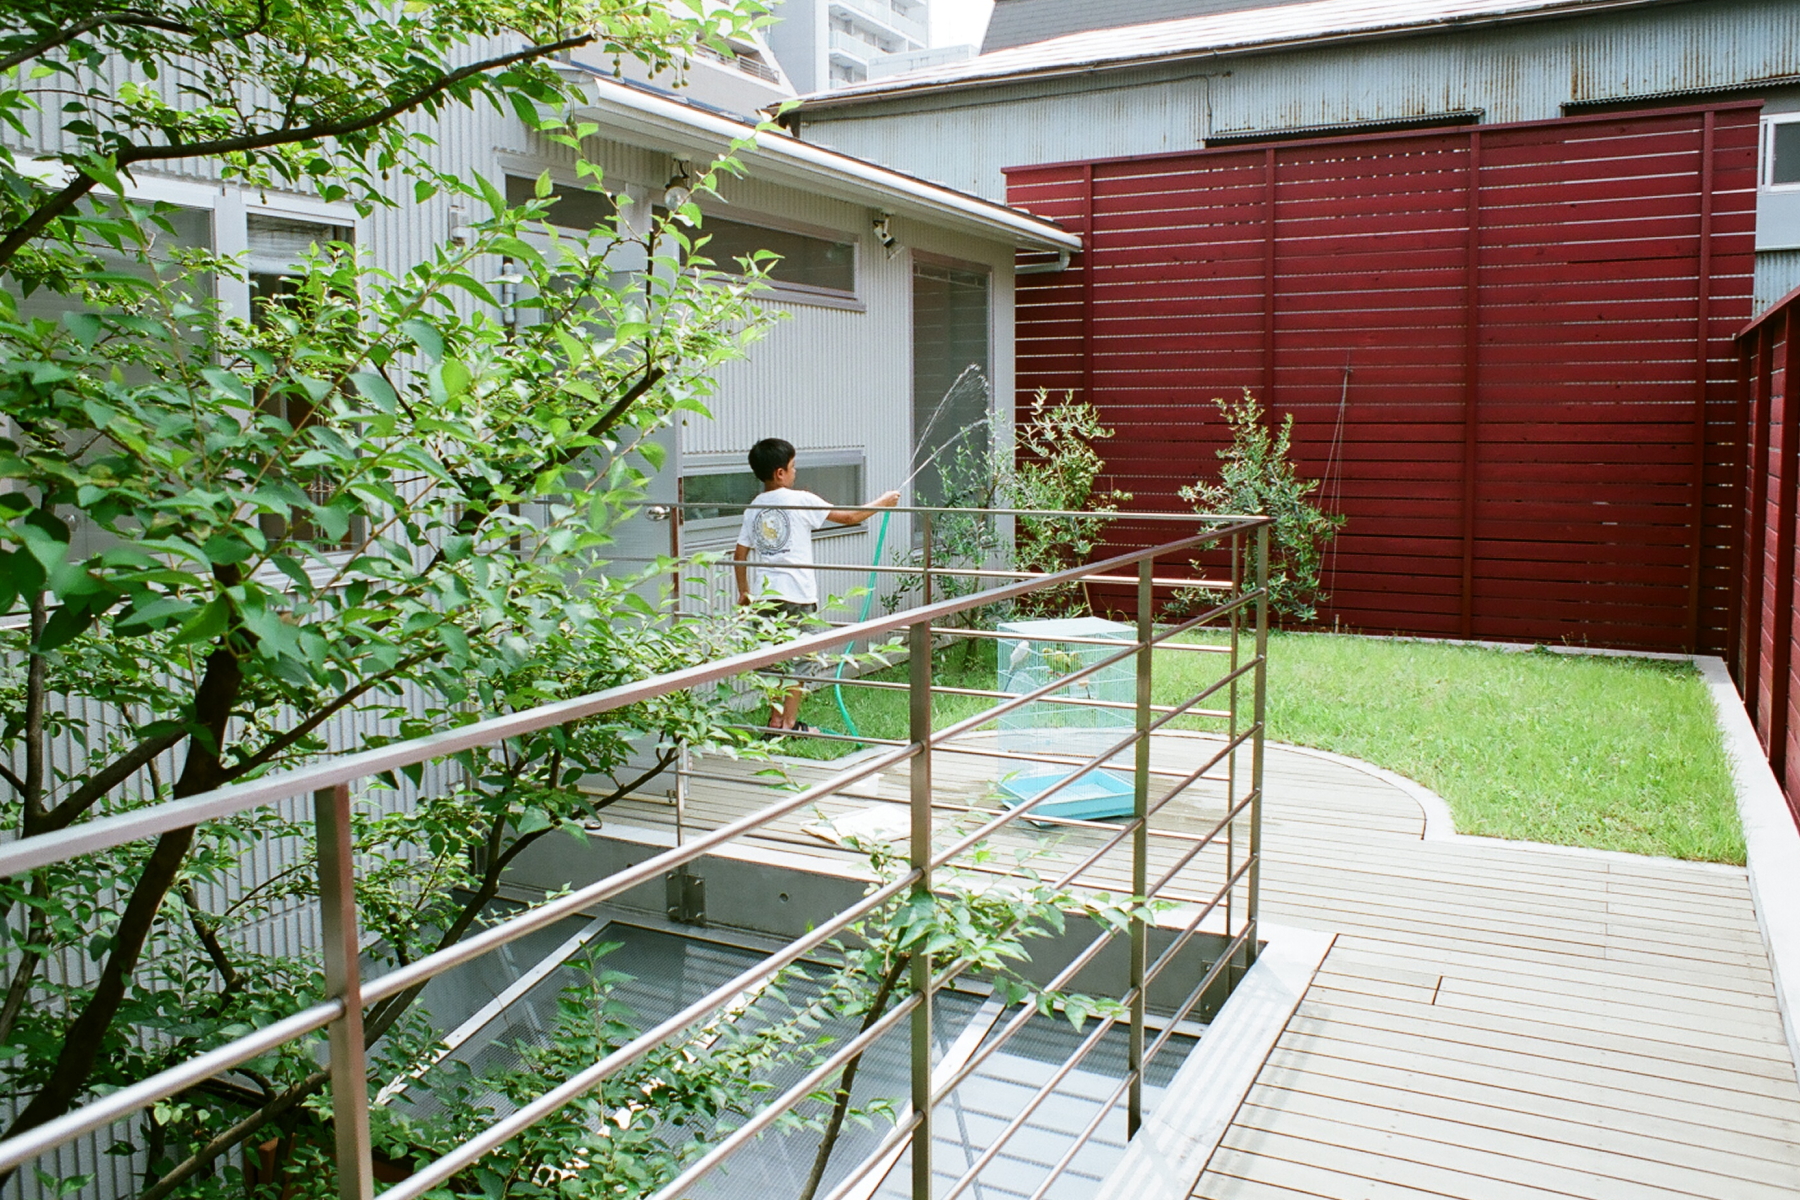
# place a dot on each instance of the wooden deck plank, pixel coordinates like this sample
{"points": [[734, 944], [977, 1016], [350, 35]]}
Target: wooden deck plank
{"points": [[1496, 1021], [1409, 1157], [1621, 1070], [1560, 979], [1627, 1135], [1677, 1126], [1481, 1029]]}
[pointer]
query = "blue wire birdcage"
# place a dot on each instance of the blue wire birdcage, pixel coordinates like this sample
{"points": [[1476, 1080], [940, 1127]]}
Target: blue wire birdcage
{"points": [[1037, 653]]}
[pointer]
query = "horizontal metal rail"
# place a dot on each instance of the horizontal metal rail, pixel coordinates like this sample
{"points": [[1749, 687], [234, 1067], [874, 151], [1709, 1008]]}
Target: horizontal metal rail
{"points": [[103, 833], [1188, 518], [1065, 640], [1197, 582], [989, 694], [328, 781]]}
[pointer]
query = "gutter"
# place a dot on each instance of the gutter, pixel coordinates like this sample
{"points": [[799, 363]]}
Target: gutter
{"points": [[820, 102], [686, 128]]}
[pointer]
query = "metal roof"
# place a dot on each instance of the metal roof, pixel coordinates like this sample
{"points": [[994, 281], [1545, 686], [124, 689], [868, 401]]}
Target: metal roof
{"points": [[1022, 22], [1216, 34]]}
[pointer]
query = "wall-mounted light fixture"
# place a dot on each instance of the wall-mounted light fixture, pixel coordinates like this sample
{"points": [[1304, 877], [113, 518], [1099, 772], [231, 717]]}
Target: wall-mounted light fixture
{"points": [[679, 188], [509, 282], [888, 241]]}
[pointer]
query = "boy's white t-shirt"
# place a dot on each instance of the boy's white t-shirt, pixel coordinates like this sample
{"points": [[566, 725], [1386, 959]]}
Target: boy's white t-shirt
{"points": [[778, 530]]}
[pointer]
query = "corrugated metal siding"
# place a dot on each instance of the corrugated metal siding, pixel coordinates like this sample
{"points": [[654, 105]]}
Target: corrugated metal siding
{"points": [[1513, 73], [1557, 470], [1777, 274]]}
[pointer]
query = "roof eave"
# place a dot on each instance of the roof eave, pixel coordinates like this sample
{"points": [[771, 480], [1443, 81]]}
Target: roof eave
{"points": [[636, 116]]}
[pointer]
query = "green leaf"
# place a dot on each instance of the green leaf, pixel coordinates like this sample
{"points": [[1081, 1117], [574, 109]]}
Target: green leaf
{"points": [[205, 625], [375, 390], [152, 615], [428, 339], [71, 621]]}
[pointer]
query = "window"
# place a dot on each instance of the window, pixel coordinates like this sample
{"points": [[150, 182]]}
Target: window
{"points": [[575, 207], [950, 370], [810, 265], [278, 245], [173, 227], [1781, 151], [724, 488]]}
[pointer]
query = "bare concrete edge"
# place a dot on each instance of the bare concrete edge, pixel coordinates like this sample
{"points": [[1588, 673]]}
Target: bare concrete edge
{"points": [[1771, 842], [1513, 647], [1169, 1154]]}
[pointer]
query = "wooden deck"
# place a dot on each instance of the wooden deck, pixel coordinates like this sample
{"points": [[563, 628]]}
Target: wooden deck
{"points": [[1495, 1021]]}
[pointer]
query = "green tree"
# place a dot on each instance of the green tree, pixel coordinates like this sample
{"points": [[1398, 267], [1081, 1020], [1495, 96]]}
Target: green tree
{"points": [[227, 534]]}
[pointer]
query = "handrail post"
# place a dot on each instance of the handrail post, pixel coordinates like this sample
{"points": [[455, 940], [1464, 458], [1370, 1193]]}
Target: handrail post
{"points": [[1140, 847], [919, 731], [1261, 676], [343, 979], [925, 557]]}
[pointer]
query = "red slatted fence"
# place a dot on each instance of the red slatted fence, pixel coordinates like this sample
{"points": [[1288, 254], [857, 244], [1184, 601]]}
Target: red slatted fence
{"points": [[1508, 349], [1763, 630]]}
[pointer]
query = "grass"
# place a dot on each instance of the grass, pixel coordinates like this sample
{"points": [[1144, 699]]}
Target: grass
{"points": [[1611, 753]]}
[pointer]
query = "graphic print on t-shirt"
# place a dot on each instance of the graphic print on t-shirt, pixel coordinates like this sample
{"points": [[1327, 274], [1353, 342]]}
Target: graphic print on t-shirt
{"points": [[772, 530]]}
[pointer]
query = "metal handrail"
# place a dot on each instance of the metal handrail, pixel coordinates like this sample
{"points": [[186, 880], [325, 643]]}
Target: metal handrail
{"points": [[329, 781], [104, 833]]}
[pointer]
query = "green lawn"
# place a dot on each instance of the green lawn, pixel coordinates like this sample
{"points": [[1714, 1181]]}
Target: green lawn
{"points": [[1613, 753]]}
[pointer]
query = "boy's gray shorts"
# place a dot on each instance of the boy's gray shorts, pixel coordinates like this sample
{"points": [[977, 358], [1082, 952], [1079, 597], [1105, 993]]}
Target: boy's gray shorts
{"points": [[813, 666]]}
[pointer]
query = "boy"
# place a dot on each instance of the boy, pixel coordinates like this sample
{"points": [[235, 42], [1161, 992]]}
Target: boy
{"points": [[779, 526]]}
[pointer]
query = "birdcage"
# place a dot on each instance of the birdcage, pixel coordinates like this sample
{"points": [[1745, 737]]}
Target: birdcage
{"points": [[1034, 654]]}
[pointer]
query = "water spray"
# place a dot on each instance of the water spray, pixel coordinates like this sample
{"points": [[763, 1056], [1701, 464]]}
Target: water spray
{"points": [[968, 385]]}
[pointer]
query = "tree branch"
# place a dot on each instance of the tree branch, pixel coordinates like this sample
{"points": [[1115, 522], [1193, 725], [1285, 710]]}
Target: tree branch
{"points": [[847, 1080], [82, 1041], [60, 203], [200, 1159], [35, 935], [31, 799], [287, 740], [62, 37], [209, 938], [108, 778]]}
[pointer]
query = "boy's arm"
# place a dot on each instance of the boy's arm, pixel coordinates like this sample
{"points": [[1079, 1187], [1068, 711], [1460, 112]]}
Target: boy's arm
{"points": [[739, 553], [856, 516]]}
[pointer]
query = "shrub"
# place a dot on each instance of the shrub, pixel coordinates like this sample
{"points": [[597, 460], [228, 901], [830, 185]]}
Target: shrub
{"points": [[1257, 475]]}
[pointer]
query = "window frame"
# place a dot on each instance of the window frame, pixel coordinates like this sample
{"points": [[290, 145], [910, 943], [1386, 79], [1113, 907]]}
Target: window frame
{"points": [[1765, 167], [711, 530], [800, 293], [946, 262]]}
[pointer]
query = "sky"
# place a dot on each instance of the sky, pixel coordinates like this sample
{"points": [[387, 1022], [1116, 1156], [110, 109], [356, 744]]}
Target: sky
{"points": [[959, 22]]}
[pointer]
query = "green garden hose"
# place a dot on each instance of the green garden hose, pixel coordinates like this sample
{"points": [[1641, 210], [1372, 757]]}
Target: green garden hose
{"points": [[837, 690]]}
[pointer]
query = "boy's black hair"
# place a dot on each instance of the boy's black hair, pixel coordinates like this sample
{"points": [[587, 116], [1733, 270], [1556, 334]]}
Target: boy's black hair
{"points": [[769, 456]]}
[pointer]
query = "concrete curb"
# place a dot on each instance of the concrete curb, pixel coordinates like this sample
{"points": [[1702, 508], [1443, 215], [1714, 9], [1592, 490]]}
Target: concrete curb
{"points": [[1771, 841], [1169, 1154]]}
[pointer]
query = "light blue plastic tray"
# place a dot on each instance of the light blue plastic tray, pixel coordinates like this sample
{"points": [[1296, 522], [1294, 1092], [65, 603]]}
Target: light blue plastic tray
{"points": [[1097, 796]]}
